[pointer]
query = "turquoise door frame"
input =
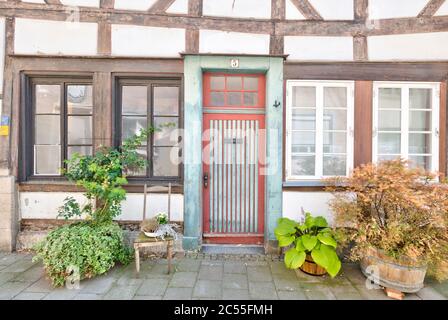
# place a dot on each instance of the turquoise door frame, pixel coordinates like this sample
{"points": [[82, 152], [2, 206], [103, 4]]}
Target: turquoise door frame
{"points": [[194, 67]]}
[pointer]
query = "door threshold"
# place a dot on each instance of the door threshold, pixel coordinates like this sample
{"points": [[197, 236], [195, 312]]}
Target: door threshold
{"points": [[232, 249]]}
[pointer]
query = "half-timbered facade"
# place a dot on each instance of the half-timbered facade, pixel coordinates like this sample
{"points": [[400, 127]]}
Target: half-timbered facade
{"points": [[266, 98]]}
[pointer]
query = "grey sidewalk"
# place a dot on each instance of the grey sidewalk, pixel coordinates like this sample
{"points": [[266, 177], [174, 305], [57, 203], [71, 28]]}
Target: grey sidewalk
{"points": [[196, 277]]}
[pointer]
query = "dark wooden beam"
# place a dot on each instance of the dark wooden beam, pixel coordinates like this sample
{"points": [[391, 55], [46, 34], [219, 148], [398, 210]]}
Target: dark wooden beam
{"points": [[192, 41], [360, 52], [307, 9], [160, 6], [363, 123], [104, 38], [276, 45], [102, 115], [195, 8], [278, 12], [361, 9], [107, 4], [431, 8], [278, 9], [56, 2], [442, 129]]}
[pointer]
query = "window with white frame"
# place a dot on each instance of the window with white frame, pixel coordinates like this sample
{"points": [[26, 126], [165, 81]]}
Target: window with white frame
{"points": [[319, 129], [406, 123]]}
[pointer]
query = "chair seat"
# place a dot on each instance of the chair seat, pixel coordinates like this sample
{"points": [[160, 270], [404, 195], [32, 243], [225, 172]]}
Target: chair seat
{"points": [[142, 238]]}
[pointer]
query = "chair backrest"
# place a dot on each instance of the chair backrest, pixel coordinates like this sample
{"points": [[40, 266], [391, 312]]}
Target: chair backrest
{"points": [[157, 189]]}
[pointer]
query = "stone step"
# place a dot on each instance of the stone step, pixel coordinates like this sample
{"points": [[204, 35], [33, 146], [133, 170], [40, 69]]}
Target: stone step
{"points": [[232, 249]]}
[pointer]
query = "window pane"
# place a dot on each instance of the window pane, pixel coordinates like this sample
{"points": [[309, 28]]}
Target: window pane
{"points": [[79, 99], [83, 150], [335, 97], [335, 142], [304, 97], [250, 83], [389, 120], [303, 142], [217, 83], [79, 129], [303, 165], [420, 98], [142, 152], [390, 98], [133, 125], [420, 161], [217, 99], [303, 119], [234, 99], [419, 143], [47, 129], [47, 159], [48, 98], [420, 121], [168, 127], [388, 158], [166, 101], [165, 162], [234, 83], [335, 119], [334, 166], [250, 98], [134, 100], [389, 143]]}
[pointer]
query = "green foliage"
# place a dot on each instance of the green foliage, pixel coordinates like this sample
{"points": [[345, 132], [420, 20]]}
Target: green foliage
{"points": [[313, 237], [162, 218], [93, 248]]}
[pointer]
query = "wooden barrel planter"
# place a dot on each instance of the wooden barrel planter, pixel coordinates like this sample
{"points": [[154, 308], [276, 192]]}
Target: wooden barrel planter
{"points": [[404, 275], [311, 268]]}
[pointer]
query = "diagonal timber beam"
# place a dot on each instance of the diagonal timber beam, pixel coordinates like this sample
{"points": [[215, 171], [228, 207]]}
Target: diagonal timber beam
{"points": [[161, 6], [431, 8], [306, 8]]}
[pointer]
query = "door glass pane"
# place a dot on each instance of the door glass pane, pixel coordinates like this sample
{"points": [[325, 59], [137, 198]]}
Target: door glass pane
{"points": [[250, 99], [234, 99], [168, 128], [419, 143], [165, 161], [47, 129], [217, 99], [389, 120], [389, 143], [303, 165], [420, 98], [334, 165], [303, 119], [79, 129], [335, 142], [47, 159], [420, 161], [166, 101], [303, 142], [419, 120], [335, 97], [335, 119], [250, 83], [48, 98], [83, 150], [390, 98], [217, 83], [134, 100], [304, 97], [132, 126], [79, 99], [234, 83]]}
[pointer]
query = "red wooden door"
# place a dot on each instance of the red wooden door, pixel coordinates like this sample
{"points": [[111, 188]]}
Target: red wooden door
{"points": [[233, 160]]}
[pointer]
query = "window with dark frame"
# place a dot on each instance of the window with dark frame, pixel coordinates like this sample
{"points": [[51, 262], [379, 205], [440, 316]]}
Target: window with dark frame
{"points": [[156, 103], [62, 123]]}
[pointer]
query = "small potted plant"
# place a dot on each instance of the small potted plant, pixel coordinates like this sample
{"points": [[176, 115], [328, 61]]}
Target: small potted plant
{"points": [[312, 245]]}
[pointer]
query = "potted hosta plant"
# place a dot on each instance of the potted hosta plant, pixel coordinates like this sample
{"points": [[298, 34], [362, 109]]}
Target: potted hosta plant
{"points": [[394, 218], [312, 245]]}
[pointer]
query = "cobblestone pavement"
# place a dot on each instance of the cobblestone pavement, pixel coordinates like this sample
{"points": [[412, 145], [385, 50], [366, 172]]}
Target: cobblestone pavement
{"points": [[197, 276]]}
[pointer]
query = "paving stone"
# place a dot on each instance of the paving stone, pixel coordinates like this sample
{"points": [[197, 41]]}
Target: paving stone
{"points": [[158, 271], [8, 259], [303, 277], [98, 285], [213, 263], [234, 267], [211, 272], [256, 263], [30, 296], [372, 294], [413, 296], [235, 294], [353, 273], [121, 293], [208, 289], [291, 295], [183, 279], [188, 265], [235, 281], [88, 296], [43, 285], [317, 292], [178, 294], [20, 265], [346, 293], [31, 275], [286, 283], [278, 267], [62, 294], [10, 289], [147, 298], [260, 273], [262, 290], [427, 293], [6, 276], [153, 287]]}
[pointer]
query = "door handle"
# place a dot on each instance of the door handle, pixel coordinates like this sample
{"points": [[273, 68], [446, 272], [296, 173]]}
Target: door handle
{"points": [[206, 180]]}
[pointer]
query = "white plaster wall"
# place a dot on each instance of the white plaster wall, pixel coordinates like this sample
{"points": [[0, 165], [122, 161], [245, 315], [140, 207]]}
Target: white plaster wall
{"points": [[315, 203], [291, 12], [81, 3], [423, 46], [443, 10], [2, 51], [309, 48], [212, 41], [334, 10], [147, 41], [44, 205], [134, 4], [238, 8], [383, 9], [55, 37], [178, 7], [34, 1]]}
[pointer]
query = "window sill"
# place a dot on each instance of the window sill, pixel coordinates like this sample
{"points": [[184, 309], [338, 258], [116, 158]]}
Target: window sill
{"points": [[303, 183]]}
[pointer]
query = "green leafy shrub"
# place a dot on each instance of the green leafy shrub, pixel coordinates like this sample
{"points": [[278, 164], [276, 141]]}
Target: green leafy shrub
{"points": [[92, 248], [313, 237]]}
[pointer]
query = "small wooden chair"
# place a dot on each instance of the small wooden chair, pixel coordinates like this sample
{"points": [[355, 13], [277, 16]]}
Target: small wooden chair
{"points": [[143, 241]]}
